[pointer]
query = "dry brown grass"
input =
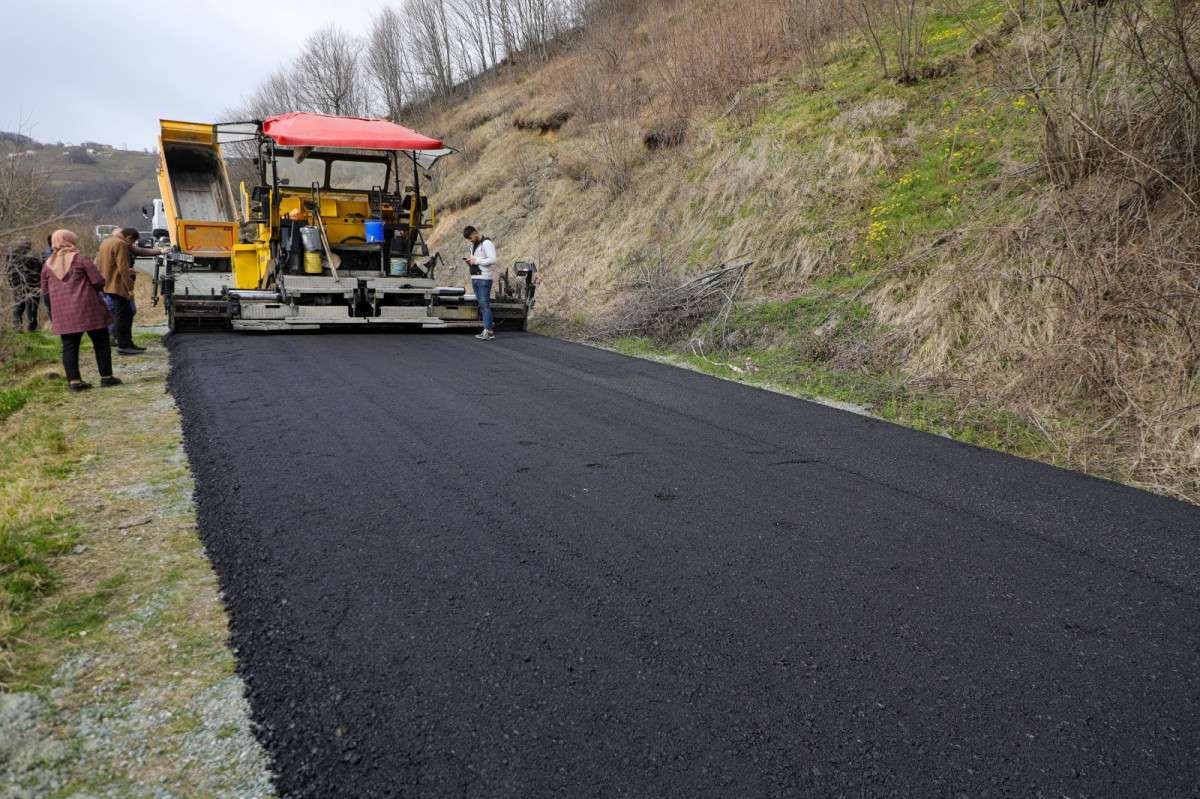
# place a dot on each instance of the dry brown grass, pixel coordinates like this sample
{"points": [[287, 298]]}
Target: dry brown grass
{"points": [[1066, 317], [544, 117], [1073, 306]]}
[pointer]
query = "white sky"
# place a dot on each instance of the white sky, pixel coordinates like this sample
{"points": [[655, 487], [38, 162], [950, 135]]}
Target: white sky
{"points": [[65, 65]]}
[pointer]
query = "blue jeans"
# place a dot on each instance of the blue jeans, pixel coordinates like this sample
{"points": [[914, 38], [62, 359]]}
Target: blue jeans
{"points": [[114, 308], [483, 295]]}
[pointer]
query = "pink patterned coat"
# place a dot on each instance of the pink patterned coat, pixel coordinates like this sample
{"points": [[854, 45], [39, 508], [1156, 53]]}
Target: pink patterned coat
{"points": [[75, 304]]}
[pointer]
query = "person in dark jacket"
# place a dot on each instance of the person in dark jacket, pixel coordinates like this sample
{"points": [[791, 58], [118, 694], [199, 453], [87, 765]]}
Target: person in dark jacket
{"points": [[24, 274], [115, 262], [72, 284]]}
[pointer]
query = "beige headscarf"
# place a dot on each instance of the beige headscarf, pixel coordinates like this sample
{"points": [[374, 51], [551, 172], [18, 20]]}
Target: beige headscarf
{"points": [[63, 244]]}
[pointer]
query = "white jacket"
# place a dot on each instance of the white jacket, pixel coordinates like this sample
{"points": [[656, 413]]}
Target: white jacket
{"points": [[485, 258]]}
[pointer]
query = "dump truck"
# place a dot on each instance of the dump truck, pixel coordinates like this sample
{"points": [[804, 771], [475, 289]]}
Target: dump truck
{"points": [[328, 232]]}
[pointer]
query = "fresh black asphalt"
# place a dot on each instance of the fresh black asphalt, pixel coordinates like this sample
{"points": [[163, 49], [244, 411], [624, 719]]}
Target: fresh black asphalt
{"points": [[530, 568]]}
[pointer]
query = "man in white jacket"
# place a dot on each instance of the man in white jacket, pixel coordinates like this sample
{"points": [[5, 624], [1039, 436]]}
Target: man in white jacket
{"points": [[482, 263]]}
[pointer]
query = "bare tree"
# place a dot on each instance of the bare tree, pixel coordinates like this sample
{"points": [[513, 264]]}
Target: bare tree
{"points": [[25, 198], [472, 20], [386, 62], [414, 50], [329, 73], [432, 42], [278, 94]]}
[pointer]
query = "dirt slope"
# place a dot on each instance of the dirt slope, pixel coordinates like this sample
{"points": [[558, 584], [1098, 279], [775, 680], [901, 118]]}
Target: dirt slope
{"points": [[905, 232]]}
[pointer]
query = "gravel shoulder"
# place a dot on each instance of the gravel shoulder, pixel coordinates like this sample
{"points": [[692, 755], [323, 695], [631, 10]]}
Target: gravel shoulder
{"points": [[118, 681]]}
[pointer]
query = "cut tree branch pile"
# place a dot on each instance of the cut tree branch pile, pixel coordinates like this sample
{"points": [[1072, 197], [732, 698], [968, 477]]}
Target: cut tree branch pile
{"points": [[656, 307]]}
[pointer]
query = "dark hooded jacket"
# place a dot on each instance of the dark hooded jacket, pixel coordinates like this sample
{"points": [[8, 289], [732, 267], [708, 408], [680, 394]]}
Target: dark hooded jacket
{"points": [[24, 268]]}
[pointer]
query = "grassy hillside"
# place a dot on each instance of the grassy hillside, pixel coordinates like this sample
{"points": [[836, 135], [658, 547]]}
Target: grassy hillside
{"points": [[118, 182], [919, 246]]}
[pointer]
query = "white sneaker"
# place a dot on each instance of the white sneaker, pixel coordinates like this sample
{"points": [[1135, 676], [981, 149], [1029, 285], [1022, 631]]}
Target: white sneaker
{"points": [[484, 336]]}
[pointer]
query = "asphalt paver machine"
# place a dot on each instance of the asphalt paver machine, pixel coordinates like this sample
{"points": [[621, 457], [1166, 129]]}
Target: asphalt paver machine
{"points": [[329, 230]]}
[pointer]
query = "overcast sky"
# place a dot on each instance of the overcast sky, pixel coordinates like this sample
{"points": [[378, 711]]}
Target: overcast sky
{"points": [[65, 65]]}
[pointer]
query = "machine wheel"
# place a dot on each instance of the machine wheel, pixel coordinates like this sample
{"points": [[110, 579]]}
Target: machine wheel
{"points": [[172, 324]]}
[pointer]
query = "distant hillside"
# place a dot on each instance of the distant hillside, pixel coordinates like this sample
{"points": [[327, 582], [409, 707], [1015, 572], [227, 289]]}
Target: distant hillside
{"points": [[119, 181]]}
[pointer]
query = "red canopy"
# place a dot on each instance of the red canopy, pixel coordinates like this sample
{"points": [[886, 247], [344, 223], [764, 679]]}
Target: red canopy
{"points": [[318, 130]]}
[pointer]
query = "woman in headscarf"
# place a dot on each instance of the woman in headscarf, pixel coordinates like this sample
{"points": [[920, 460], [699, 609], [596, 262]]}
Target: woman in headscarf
{"points": [[71, 283]]}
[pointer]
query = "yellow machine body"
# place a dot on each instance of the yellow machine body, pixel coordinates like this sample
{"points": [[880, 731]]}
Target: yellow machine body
{"points": [[291, 253], [204, 221]]}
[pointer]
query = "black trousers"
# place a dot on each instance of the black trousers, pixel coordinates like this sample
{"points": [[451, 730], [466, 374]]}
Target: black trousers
{"points": [[70, 355], [123, 320], [27, 307]]}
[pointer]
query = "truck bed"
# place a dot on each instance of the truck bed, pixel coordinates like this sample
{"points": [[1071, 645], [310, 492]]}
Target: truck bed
{"points": [[198, 182]]}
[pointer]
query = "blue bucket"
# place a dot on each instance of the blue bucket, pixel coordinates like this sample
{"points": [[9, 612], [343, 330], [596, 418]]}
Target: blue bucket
{"points": [[374, 230]]}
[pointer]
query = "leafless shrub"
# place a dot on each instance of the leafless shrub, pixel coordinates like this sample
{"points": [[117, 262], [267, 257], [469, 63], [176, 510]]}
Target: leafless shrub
{"points": [[617, 154], [942, 68], [329, 73], [1119, 99], [1116, 87], [605, 153], [26, 206], [576, 166], [812, 26], [707, 51], [25, 199], [597, 82], [895, 29], [602, 89], [658, 306]]}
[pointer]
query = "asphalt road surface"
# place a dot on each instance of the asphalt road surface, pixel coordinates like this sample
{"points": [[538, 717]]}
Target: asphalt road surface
{"points": [[529, 568]]}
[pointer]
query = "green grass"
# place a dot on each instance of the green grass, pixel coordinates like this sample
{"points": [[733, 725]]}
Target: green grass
{"points": [[13, 400], [21, 352], [34, 453], [826, 298], [25, 574], [946, 149], [81, 615]]}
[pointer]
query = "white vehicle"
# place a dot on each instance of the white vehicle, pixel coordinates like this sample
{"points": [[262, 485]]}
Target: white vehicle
{"points": [[158, 220]]}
